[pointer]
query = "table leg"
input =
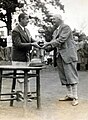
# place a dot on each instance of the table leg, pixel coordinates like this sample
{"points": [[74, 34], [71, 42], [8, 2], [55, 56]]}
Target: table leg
{"points": [[38, 88], [25, 88], [13, 86], [0, 82]]}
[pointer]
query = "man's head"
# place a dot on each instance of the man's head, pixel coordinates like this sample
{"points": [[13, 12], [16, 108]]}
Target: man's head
{"points": [[57, 19], [23, 19]]}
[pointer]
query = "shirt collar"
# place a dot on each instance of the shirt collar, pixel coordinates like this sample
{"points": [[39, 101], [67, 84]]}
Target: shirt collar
{"points": [[58, 26], [21, 26]]}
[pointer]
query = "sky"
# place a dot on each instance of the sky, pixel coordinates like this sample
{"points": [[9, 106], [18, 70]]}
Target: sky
{"points": [[76, 14]]}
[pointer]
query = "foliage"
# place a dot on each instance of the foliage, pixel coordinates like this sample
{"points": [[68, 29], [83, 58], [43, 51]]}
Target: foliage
{"points": [[35, 6], [7, 7]]}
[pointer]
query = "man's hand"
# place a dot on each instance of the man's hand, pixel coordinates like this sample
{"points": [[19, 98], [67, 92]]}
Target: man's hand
{"points": [[35, 44], [48, 48], [45, 45]]}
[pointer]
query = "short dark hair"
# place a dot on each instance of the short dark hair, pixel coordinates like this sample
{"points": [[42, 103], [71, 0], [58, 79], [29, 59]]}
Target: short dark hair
{"points": [[22, 15]]}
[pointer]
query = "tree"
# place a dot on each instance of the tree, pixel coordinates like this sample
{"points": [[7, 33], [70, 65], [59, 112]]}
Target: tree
{"points": [[7, 7]]}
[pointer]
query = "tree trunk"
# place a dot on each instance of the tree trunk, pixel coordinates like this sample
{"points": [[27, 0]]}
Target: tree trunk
{"points": [[9, 21]]}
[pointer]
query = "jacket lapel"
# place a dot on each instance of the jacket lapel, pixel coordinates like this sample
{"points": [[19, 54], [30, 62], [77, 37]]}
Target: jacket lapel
{"points": [[23, 34], [57, 32], [28, 35]]}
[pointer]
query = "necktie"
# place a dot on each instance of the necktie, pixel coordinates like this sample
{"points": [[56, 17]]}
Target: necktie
{"points": [[25, 31]]}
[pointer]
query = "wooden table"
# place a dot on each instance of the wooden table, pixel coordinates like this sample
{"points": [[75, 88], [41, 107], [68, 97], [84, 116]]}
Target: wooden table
{"points": [[12, 73]]}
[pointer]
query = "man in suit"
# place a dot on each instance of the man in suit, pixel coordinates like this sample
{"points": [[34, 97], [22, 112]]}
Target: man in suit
{"points": [[22, 44], [66, 57]]}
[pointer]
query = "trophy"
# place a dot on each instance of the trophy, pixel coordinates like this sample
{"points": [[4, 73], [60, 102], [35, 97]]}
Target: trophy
{"points": [[41, 43]]}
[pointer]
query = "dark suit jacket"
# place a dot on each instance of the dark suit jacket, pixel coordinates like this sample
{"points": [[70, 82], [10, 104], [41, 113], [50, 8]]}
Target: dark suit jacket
{"points": [[21, 44], [63, 40]]}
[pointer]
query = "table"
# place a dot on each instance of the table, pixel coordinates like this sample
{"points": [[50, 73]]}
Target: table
{"points": [[12, 73]]}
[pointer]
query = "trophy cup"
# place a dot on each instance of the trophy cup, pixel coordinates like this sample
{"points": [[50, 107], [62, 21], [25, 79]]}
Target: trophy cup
{"points": [[41, 43]]}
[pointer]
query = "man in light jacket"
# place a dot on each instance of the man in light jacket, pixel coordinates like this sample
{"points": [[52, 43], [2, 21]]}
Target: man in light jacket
{"points": [[66, 57]]}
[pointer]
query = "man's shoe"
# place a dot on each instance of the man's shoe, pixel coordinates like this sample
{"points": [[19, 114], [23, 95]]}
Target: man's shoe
{"points": [[66, 98], [75, 102]]}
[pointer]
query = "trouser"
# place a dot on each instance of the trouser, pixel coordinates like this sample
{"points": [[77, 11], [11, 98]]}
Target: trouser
{"points": [[67, 71], [68, 75]]}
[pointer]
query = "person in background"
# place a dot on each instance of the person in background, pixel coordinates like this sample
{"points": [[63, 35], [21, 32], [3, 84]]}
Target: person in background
{"points": [[66, 58], [9, 47], [22, 45]]}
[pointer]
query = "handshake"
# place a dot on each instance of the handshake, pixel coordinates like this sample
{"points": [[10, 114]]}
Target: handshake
{"points": [[47, 46], [41, 45]]}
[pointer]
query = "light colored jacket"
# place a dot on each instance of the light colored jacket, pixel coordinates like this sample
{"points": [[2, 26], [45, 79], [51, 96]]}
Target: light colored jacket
{"points": [[63, 40]]}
